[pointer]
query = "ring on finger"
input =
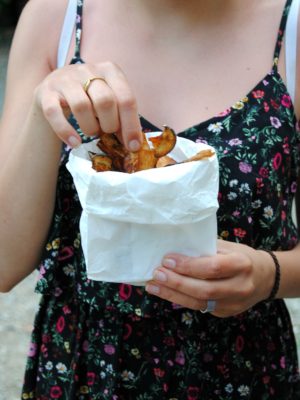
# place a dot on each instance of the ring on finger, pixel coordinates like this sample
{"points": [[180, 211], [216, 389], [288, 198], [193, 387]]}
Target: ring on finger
{"points": [[210, 307], [87, 83]]}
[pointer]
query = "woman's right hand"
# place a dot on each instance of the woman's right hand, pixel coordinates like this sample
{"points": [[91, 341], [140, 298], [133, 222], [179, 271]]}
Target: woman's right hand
{"points": [[108, 105]]}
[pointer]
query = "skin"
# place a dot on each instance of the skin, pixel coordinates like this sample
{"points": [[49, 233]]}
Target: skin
{"points": [[169, 42]]}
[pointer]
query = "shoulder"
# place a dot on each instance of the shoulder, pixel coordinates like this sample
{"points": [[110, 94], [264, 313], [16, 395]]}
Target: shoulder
{"points": [[40, 25]]}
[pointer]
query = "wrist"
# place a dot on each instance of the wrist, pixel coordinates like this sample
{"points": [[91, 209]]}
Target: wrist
{"points": [[268, 278], [272, 284]]}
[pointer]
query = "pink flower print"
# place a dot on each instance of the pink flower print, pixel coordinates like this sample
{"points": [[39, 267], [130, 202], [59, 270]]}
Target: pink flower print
{"points": [[109, 349], [294, 187], [65, 253], [66, 310], [90, 378], [44, 350], [201, 140], [245, 167], [60, 324], [159, 372], [239, 232], [258, 94], [32, 349], [180, 359], [283, 215], [277, 161], [55, 392], [46, 338], [239, 343], [259, 183], [235, 142], [224, 113], [286, 147], [274, 104], [264, 172], [125, 291], [275, 122], [266, 106], [286, 101], [127, 331], [282, 362]]}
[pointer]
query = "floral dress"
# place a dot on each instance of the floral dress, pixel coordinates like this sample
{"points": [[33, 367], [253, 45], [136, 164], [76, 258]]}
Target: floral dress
{"points": [[94, 340]]}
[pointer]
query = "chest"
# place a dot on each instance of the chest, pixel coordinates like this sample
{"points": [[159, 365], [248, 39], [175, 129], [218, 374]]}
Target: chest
{"points": [[182, 75]]}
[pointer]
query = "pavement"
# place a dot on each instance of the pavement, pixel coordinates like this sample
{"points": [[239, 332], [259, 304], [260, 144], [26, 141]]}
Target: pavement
{"points": [[18, 307]]}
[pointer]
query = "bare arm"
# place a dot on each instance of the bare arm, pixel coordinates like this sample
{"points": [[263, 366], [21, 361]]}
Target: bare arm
{"points": [[34, 125], [29, 150]]}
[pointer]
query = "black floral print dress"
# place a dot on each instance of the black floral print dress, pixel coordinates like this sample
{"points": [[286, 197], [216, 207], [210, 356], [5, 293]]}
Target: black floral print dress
{"points": [[94, 340]]}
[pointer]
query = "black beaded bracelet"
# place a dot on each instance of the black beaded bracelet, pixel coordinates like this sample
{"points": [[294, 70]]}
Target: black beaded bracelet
{"points": [[277, 276]]}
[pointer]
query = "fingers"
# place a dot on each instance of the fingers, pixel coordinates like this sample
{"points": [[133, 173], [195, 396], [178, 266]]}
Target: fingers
{"points": [[106, 105], [54, 110], [82, 109], [214, 267], [233, 288], [173, 296], [228, 278], [224, 308], [127, 107]]}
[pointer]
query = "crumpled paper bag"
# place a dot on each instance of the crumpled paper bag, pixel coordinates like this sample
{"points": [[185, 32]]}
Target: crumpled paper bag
{"points": [[130, 221]]}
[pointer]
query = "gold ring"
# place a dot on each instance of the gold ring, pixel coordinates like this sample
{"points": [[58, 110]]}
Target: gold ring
{"points": [[87, 83]]}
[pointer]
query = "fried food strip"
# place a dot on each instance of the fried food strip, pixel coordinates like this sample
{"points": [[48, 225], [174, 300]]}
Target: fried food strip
{"points": [[165, 161], [117, 158], [110, 145], [140, 160], [201, 155], [147, 157], [164, 143], [101, 163]]}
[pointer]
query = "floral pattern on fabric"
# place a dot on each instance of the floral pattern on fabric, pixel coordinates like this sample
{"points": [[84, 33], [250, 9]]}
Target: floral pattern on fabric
{"points": [[94, 340]]}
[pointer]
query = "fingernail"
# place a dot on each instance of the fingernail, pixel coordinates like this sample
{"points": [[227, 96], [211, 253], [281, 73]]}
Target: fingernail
{"points": [[134, 145], [152, 289], [73, 142], [160, 276], [169, 263]]}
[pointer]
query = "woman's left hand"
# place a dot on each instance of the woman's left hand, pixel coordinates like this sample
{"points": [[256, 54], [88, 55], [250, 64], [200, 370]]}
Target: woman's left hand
{"points": [[237, 277]]}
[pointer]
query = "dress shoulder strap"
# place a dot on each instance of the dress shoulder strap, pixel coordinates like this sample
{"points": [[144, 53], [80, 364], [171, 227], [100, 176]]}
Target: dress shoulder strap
{"points": [[281, 32], [73, 18], [291, 47]]}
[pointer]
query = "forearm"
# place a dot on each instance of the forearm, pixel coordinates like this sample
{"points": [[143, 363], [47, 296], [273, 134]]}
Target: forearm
{"points": [[27, 181]]}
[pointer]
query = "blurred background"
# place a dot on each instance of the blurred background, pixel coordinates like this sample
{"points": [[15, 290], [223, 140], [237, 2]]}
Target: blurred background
{"points": [[18, 307]]}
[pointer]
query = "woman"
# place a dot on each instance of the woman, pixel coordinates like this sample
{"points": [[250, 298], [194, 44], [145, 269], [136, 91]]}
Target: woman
{"points": [[184, 63]]}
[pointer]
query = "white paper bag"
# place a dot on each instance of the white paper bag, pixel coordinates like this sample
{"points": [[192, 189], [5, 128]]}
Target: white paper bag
{"points": [[130, 221]]}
